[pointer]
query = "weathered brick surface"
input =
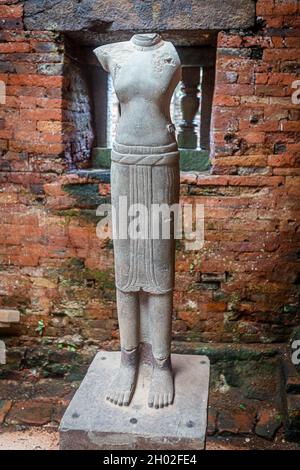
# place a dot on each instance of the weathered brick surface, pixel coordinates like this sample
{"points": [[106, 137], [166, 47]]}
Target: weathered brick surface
{"points": [[5, 406], [77, 112], [32, 98], [268, 422], [242, 286], [36, 413]]}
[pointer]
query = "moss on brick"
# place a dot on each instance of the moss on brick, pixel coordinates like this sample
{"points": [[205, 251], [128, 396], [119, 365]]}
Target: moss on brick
{"points": [[227, 353], [86, 194], [74, 274], [104, 279], [88, 215], [68, 212]]}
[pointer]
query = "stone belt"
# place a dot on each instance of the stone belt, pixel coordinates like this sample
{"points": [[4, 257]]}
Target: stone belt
{"points": [[143, 155]]}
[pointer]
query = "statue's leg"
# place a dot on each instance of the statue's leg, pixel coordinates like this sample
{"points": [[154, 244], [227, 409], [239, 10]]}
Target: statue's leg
{"points": [[160, 318], [122, 387]]}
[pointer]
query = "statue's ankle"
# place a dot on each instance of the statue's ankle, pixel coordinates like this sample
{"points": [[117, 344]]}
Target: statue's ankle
{"points": [[162, 362], [129, 357]]}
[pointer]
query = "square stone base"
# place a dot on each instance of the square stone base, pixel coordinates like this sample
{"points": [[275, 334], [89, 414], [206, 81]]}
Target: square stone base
{"points": [[91, 422]]}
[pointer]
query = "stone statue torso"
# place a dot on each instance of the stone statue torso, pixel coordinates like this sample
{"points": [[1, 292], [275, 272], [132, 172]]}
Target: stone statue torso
{"points": [[144, 79], [144, 156]]}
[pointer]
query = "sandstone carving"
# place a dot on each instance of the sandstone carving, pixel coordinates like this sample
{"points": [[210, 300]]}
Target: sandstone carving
{"points": [[144, 170]]}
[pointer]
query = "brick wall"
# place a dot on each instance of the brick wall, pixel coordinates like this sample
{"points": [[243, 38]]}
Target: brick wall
{"points": [[243, 285], [31, 65], [255, 190]]}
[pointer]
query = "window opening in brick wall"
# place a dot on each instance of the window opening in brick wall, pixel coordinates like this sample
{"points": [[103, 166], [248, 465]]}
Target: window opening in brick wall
{"points": [[191, 109]]}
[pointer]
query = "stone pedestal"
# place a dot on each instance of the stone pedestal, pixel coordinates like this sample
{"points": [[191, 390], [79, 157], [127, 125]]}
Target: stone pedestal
{"points": [[91, 422]]}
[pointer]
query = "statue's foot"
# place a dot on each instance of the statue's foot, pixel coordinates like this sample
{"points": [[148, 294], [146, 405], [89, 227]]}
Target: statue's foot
{"points": [[161, 391], [122, 387]]}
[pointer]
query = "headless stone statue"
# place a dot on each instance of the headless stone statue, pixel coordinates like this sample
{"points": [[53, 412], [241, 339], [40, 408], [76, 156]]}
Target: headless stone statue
{"points": [[145, 170]]}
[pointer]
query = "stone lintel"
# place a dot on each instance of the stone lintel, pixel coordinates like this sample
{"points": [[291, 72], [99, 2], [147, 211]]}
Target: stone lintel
{"points": [[118, 15]]}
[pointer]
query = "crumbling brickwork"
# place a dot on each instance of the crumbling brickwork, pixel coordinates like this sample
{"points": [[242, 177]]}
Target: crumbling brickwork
{"points": [[243, 286]]}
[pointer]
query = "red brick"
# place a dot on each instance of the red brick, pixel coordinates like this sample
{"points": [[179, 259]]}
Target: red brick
{"points": [[13, 11], [212, 180], [211, 421], [225, 40], [263, 126], [47, 149], [278, 42], [264, 7], [254, 40], [27, 136], [286, 7], [14, 90], [286, 171], [27, 102], [275, 113], [274, 21], [290, 126], [44, 46], [14, 47], [49, 126], [41, 114], [271, 55], [34, 412], [255, 180], [26, 125], [4, 77], [220, 100], [269, 420], [234, 89], [12, 102], [281, 160], [31, 220], [254, 101], [225, 119], [291, 41], [191, 318], [214, 307], [244, 160], [246, 78], [49, 103], [6, 134], [55, 93], [5, 406], [235, 422], [261, 78], [270, 90], [293, 185], [47, 81], [8, 2], [54, 189], [51, 138]]}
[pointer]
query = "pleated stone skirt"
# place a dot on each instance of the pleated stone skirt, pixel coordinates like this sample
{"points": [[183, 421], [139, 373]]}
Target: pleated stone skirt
{"points": [[147, 176]]}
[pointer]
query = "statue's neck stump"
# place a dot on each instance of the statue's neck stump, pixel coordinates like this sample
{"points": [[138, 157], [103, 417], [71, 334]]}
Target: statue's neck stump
{"points": [[146, 41]]}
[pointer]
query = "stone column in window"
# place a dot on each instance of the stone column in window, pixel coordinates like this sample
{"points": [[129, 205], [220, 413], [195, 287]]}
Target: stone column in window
{"points": [[187, 135], [207, 90]]}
